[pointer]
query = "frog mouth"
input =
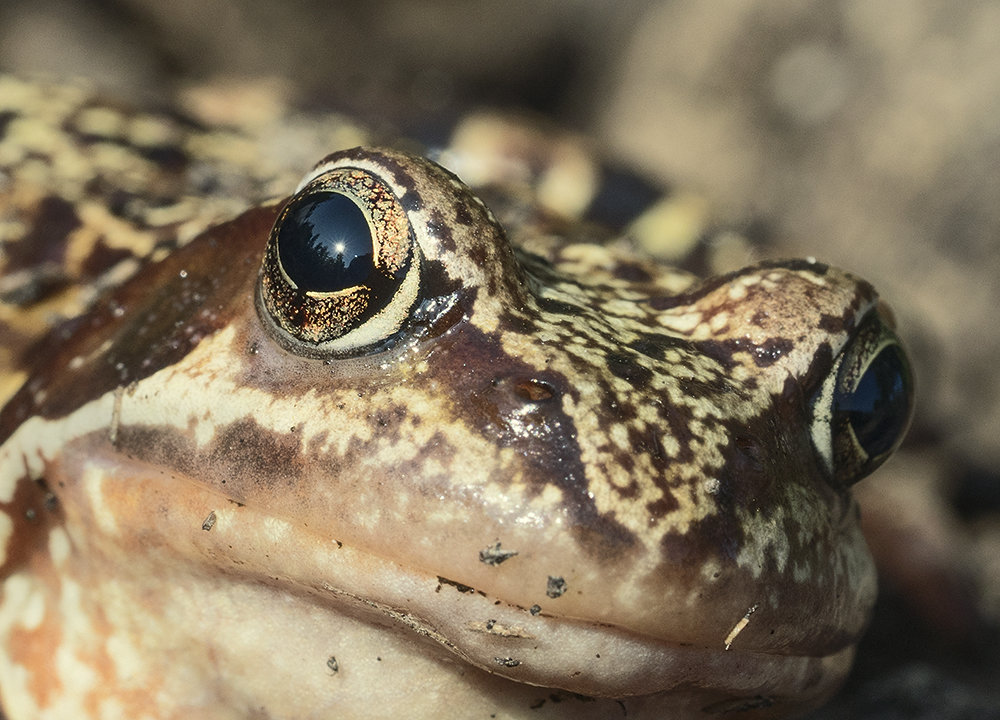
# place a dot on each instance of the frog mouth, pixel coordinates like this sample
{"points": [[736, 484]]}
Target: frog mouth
{"points": [[596, 659], [546, 650], [288, 575], [504, 639]]}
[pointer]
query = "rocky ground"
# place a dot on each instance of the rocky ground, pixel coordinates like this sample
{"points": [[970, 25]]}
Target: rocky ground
{"points": [[862, 133]]}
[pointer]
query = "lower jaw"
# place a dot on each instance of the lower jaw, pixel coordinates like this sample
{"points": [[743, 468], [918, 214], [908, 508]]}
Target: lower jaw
{"points": [[263, 600]]}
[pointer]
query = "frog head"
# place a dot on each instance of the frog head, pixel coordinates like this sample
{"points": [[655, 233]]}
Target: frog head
{"points": [[354, 450]]}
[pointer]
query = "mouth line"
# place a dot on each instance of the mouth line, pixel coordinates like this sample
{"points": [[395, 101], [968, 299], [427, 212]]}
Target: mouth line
{"points": [[597, 659], [591, 658], [535, 648]]}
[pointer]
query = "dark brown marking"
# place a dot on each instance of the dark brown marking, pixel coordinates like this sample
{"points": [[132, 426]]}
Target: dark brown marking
{"points": [[555, 587], [621, 197], [246, 455], [101, 258], [6, 118], [764, 355], [464, 589], [626, 367], [494, 555], [739, 705], [34, 512], [632, 272], [45, 243], [655, 345], [462, 215], [152, 321]]}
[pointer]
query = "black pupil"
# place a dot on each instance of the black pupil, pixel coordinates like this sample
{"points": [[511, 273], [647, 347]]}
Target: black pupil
{"points": [[325, 243], [879, 409]]}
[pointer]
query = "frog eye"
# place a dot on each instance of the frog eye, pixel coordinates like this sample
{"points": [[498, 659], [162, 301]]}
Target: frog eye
{"points": [[342, 271], [864, 406]]}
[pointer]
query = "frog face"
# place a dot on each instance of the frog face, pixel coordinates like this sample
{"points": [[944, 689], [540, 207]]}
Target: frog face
{"points": [[355, 451]]}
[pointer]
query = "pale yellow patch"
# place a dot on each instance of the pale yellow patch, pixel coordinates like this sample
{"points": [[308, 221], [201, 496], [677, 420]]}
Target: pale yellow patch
{"points": [[11, 154], [101, 121], [36, 137], [569, 183], [274, 530], [111, 708], [739, 373], [59, 547], [23, 603], [486, 312], [434, 467], [179, 213], [624, 308], [737, 291], [671, 445], [770, 541], [772, 282], [551, 495], [684, 323], [718, 322], [18, 702], [92, 482], [129, 660], [587, 255], [478, 152], [114, 232], [811, 277], [619, 436], [71, 604], [670, 229], [224, 518], [77, 677], [731, 251], [227, 149], [150, 131]]}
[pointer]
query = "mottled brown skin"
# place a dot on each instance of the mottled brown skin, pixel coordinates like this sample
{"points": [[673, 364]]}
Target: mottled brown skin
{"points": [[275, 531]]}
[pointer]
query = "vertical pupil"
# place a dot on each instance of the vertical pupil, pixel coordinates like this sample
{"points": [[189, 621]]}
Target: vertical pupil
{"points": [[325, 243]]}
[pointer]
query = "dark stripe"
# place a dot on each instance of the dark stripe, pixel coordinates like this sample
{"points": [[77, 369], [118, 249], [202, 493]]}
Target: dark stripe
{"points": [[621, 198], [5, 120]]}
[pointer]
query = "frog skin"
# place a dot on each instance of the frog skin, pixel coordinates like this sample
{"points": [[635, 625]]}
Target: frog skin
{"points": [[456, 477]]}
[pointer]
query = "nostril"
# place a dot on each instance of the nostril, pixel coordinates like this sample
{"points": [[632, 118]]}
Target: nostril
{"points": [[533, 390]]}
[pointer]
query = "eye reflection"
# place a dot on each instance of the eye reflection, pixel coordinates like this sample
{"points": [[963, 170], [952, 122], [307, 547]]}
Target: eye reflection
{"points": [[325, 243]]}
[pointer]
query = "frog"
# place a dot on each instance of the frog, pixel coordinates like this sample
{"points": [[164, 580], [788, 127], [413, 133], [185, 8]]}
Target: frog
{"points": [[383, 443]]}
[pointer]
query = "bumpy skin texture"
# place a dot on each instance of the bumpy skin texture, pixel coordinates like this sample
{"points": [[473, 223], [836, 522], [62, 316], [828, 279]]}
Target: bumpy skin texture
{"points": [[568, 482]]}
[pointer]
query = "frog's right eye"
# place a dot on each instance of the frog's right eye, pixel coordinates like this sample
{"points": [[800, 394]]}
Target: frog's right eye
{"points": [[342, 270], [863, 409]]}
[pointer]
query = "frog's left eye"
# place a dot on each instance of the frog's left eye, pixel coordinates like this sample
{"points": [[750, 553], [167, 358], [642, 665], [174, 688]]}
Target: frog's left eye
{"points": [[342, 270], [863, 409]]}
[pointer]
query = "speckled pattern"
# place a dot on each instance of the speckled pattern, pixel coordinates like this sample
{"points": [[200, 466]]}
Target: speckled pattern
{"points": [[203, 513]]}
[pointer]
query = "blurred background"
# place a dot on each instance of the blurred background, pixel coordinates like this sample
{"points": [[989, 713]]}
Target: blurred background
{"points": [[866, 134]]}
